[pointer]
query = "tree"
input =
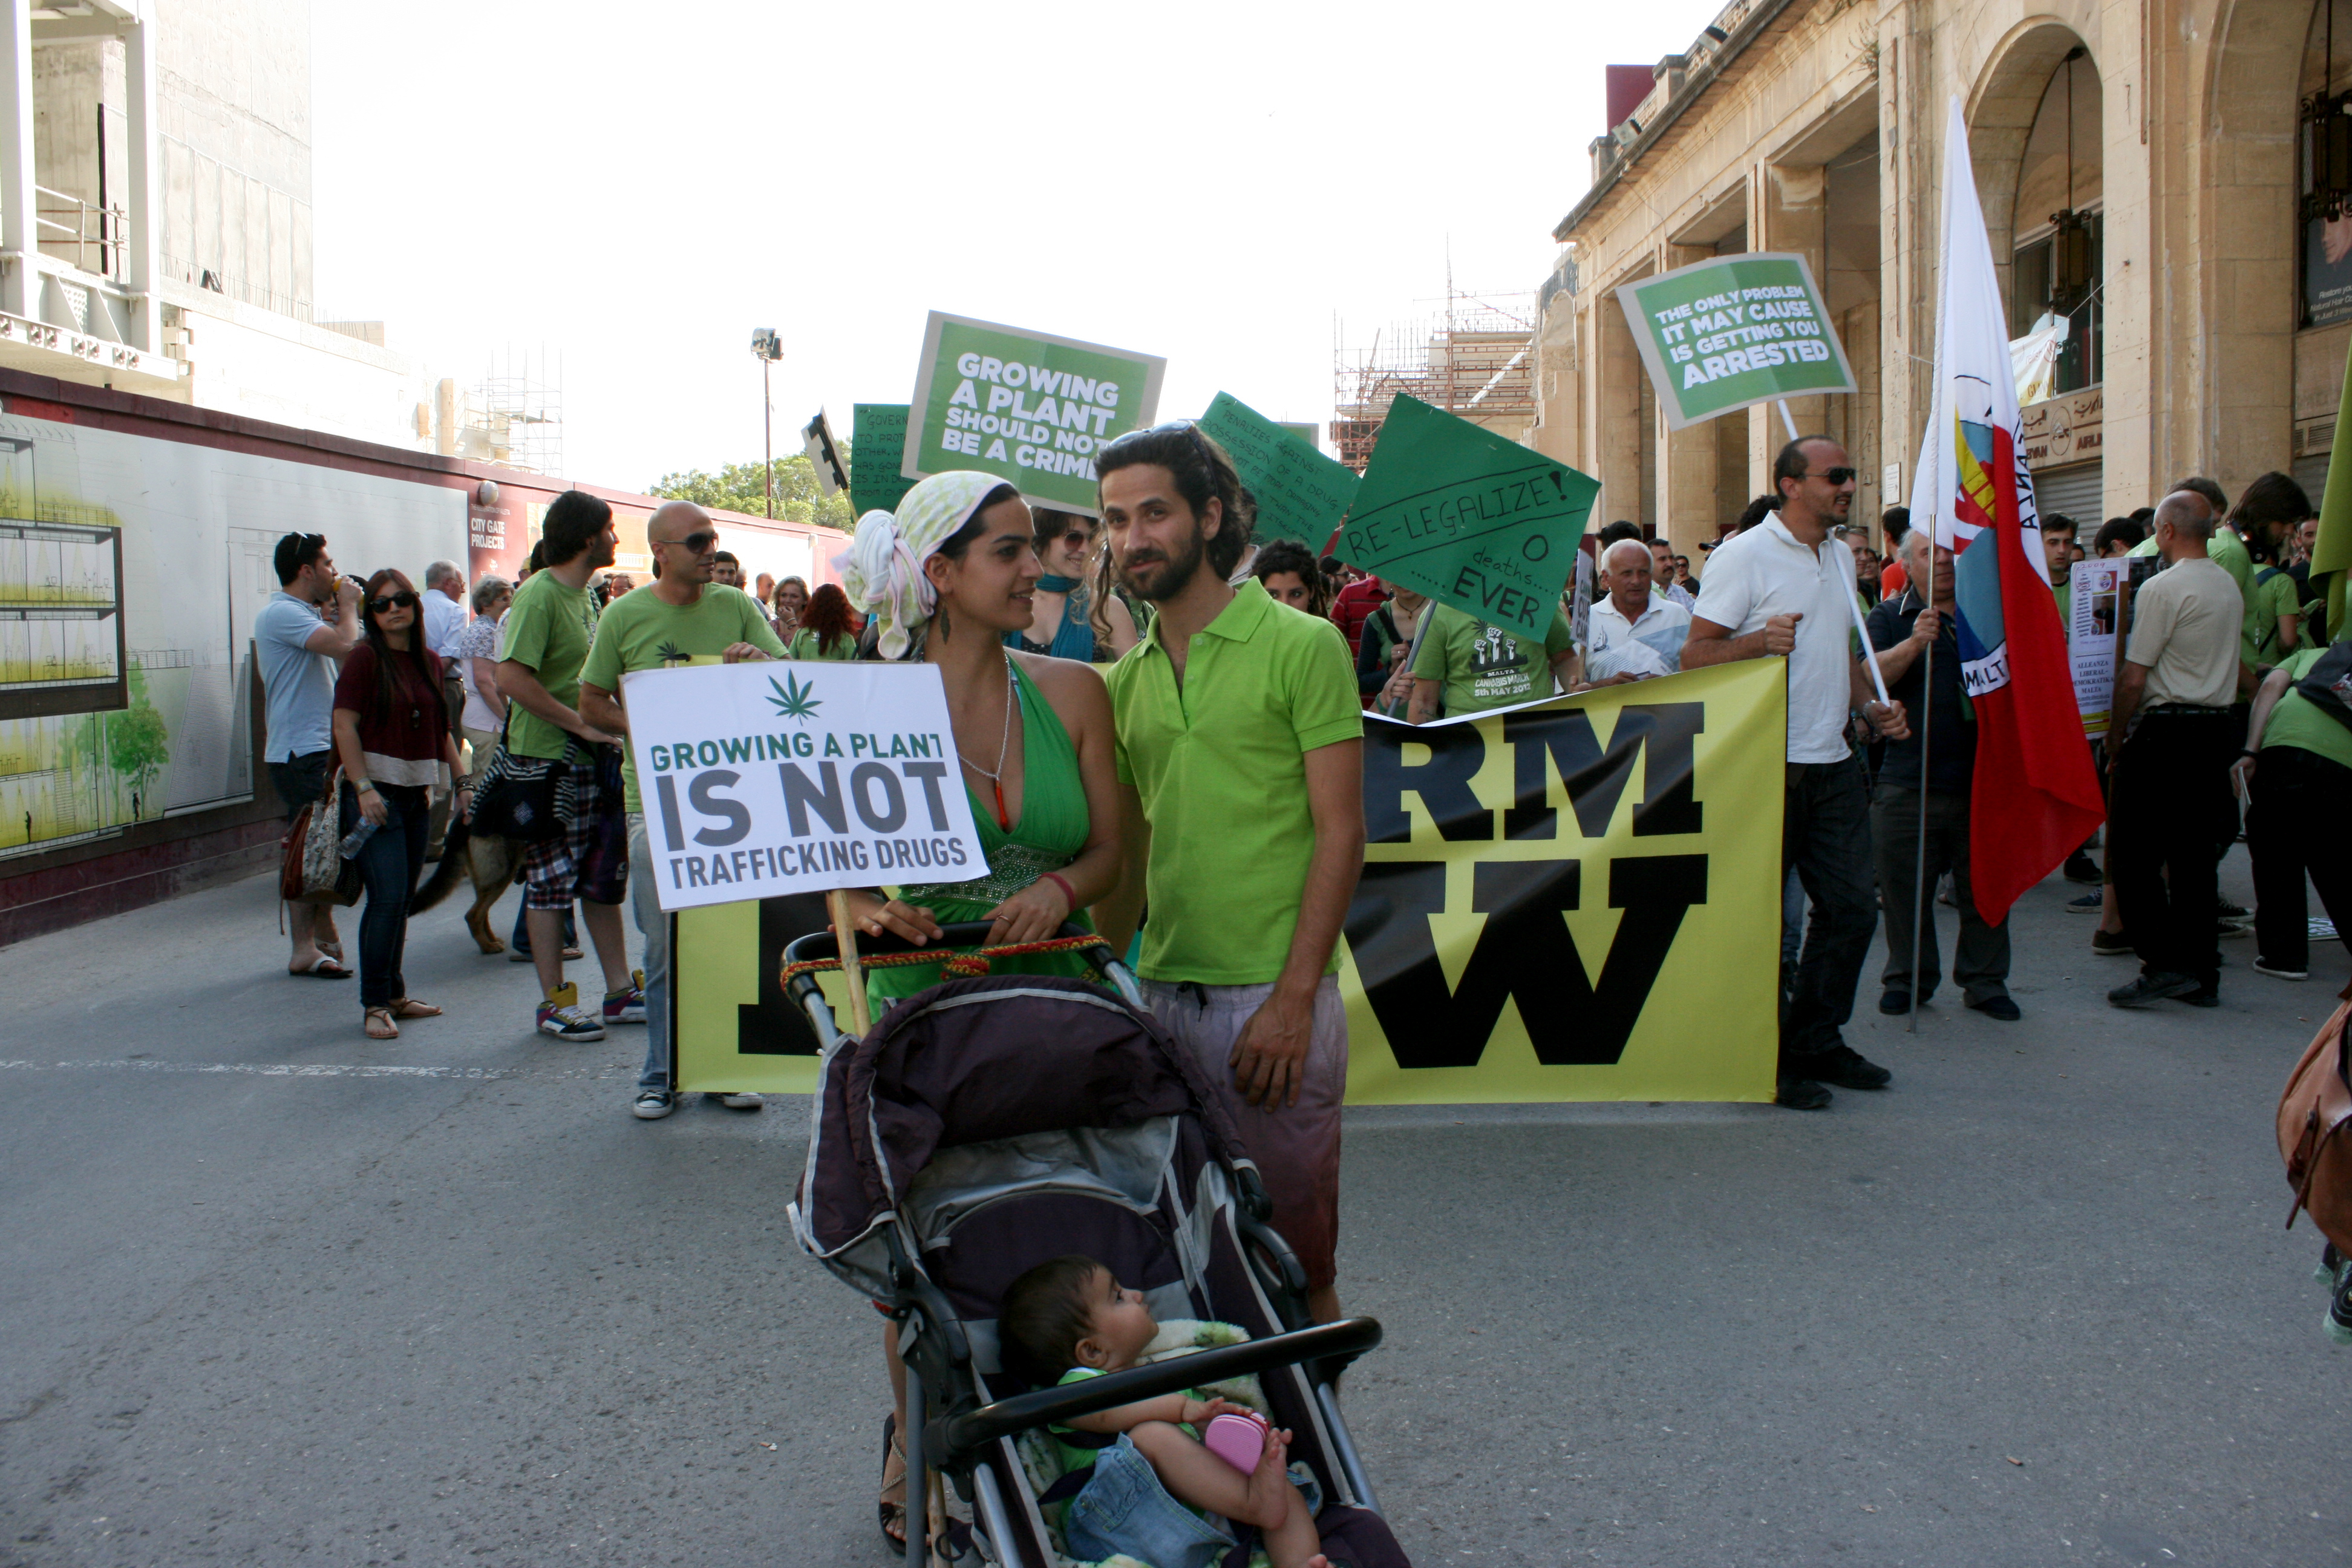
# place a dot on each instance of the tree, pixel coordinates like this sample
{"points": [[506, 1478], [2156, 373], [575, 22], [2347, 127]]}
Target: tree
{"points": [[737, 487], [138, 744]]}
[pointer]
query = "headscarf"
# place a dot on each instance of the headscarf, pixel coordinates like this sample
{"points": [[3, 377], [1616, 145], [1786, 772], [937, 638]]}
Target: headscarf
{"points": [[883, 570]]}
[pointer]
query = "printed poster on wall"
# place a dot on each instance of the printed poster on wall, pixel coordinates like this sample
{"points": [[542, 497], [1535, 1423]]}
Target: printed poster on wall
{"points": [[2094, 603], [1029, 407], [766, 778], [1731, 332]]}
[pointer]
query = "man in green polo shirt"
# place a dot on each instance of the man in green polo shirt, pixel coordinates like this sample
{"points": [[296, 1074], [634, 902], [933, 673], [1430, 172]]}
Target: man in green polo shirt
{"points": [[1241, 760], [682, 617]]}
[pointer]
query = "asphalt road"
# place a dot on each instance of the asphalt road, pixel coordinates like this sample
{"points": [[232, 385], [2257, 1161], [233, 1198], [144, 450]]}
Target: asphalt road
{"points": [[2032, 1306]]}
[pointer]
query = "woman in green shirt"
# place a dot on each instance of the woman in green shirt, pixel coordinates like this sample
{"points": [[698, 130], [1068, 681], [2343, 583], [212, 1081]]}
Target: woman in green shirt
{"points": [[946, 577], [825, 630]]}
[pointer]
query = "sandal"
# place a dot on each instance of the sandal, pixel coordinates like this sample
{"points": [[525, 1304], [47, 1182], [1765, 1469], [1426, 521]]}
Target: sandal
{"points": [[379, 1024], [406, 1008], [321, 968], [894, 1477]]}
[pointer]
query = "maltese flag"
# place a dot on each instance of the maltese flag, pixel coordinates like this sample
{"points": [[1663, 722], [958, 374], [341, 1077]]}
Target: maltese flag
{"points": [[2035, 796]]}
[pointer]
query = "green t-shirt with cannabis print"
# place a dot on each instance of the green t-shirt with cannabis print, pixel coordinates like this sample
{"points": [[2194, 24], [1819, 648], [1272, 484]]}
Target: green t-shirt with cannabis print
{"points": [[640, 631]]}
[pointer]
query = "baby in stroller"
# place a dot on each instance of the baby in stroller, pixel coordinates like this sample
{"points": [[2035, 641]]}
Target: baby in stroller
{"points": [[1069, 1319]]}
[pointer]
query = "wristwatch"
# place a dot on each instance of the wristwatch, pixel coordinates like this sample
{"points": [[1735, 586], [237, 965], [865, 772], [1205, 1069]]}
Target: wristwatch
{"points": [[365, 786]]}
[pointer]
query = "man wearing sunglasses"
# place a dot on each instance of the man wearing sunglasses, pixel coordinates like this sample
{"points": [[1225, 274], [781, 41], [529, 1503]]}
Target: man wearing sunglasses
{"points": [[675, 621], [299, 645], [1783, 589]]}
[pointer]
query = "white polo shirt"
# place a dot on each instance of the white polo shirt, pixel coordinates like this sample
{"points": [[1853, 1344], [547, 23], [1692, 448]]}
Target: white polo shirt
{"points": [[1766, 570]]}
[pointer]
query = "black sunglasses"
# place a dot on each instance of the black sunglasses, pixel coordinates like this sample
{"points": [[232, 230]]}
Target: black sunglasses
{"points": [[694, 543], [1835, 476], [392, 601]]}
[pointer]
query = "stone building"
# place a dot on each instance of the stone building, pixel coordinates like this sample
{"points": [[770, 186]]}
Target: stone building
{"points": [[2158, 177]]}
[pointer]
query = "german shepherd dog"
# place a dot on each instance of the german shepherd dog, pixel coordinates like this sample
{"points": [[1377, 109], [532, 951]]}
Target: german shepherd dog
{"points": [[492, 863]]}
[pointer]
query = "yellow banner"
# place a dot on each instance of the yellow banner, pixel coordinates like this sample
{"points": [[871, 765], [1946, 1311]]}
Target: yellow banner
{"points": [[1574, 901]]}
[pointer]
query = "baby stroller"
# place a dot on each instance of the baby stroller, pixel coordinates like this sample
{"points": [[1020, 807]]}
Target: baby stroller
{"points": [[987, 1124]]}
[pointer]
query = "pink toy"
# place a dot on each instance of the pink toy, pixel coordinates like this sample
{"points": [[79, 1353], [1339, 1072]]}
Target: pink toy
{"points": [[1238, 1440]]}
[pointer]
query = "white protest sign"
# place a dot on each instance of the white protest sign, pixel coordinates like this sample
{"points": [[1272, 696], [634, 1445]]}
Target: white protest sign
{"points": [[767, 778], [2091, 639]]}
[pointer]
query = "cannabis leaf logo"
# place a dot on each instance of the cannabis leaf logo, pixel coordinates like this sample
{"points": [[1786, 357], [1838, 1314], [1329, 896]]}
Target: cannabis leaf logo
{"points": [[792, 700], [672, 654]]}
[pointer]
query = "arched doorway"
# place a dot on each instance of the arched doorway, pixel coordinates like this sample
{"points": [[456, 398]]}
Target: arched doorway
{"points": [[2323, 219], [2037, 139]]}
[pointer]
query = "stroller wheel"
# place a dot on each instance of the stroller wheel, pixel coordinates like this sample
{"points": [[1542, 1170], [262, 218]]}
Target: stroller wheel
{"points": [[893, 1515]]}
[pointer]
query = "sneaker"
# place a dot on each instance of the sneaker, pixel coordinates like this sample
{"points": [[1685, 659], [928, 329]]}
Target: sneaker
{"points": [[1894, 1004], [2081, 868], [2331, 1263], [561, 1016], [628, 1005], [652, 1104], [2280, 971], [2203, 996], [2146, 988], [2113, 944], [1844, 1067], [2225, 929], [2088, 904], [1801, 1094], [2000, 1007], [2339, 1310], [2229, 911], [738, 1101]]}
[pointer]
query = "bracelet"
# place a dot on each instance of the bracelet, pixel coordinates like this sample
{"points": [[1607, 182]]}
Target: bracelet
{"points": [[1067, 891], [364, 786]]}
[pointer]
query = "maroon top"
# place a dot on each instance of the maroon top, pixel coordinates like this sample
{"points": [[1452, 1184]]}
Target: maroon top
{"points": [[1354, 606], [412, 725]]}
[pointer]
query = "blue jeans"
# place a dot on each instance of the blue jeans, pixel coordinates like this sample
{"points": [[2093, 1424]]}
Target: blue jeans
{"points": [[389, 863], [1125, 1508], [1825, 838], [654, 925]]}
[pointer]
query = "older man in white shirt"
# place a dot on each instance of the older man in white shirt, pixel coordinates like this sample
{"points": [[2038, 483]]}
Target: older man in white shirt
{"points": [[1633, 633], [1784, 589]]}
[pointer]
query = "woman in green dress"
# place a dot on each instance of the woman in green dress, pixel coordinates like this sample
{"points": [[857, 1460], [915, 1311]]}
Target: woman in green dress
{"points": [[943, 579]]}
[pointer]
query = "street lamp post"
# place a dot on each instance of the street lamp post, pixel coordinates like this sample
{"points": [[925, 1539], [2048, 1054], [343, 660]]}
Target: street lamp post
{"points": [[767, 348]]}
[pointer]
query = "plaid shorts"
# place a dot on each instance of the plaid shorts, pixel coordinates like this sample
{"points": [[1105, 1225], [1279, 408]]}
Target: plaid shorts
{"points": [[590, 859]]}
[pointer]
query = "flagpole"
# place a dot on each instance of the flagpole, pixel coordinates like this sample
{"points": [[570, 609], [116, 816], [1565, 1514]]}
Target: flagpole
{"points": [[1922, 911]]}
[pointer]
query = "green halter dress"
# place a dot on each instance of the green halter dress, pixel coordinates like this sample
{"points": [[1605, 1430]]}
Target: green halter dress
{"points": [[1051, 831]]}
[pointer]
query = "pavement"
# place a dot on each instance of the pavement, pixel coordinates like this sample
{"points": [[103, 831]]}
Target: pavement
{"points": [[274, 1293]]}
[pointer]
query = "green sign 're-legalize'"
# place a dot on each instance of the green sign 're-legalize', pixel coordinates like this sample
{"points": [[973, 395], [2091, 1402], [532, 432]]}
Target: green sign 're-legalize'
{"points": [[1473, 520], [1029, 407], [1301, 494], [1738, 330]]}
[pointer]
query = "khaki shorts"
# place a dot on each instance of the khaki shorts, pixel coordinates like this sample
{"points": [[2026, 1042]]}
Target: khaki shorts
{"points": [[1297, 1147]]}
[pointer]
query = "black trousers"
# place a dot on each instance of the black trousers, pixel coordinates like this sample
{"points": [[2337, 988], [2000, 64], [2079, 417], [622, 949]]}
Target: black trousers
{"points": [[1825, 838], [1981, 963], [2296, 823], [2169, 804]]}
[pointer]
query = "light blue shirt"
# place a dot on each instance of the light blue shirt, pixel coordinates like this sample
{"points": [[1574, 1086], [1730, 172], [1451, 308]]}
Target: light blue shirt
{"points": [[297, 685]]}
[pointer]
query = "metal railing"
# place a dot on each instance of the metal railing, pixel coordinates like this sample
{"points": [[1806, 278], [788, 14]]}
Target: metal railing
{"points": [[66, 221]]}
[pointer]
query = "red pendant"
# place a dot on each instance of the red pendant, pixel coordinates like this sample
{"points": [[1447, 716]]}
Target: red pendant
{"points": [[1002, 820]]}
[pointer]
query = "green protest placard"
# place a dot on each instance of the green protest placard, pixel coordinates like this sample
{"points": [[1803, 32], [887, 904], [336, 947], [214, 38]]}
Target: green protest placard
{"points": [[1471, 520], [1029, 407], [876, 443], [1719, 336], [1301, 494]]}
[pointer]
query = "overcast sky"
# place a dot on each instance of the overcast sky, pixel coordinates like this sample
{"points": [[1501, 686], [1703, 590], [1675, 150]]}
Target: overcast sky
{"points": [[1210, 182]]}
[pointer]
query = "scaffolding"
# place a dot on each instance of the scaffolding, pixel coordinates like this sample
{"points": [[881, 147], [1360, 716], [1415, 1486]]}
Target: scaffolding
{"points": [[514, 417], [1477, 360]]}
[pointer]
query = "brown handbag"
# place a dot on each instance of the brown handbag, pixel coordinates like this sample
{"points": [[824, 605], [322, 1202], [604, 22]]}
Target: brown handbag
{"points": [[2311, 1117], [312, 869]]}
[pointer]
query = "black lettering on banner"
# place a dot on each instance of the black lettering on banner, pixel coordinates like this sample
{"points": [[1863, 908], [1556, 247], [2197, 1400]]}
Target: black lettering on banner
{"points": [[1456, 752], [1595, 778], [737, 817], [775, 1025], [1525, 952]]}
